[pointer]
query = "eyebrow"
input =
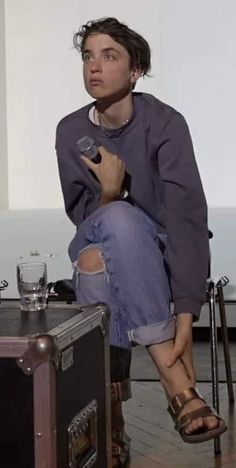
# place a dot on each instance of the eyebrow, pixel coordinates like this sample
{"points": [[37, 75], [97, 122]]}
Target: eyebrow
{"points": [[106, 49]]}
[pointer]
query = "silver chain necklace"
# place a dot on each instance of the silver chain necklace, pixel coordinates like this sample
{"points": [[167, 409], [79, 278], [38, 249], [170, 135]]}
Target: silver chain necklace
{"points": [[107, 130]]}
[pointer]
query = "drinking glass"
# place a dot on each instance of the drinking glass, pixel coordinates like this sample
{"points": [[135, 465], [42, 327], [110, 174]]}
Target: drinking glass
{"points": [[32, 285]]}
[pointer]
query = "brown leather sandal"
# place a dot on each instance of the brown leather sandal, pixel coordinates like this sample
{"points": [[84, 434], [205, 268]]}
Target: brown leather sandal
{"points": [[203, 434], [120, 449], [120, 391]]}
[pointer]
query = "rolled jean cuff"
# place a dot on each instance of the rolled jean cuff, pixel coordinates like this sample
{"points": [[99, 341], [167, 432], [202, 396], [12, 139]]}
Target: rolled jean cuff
{"points": [[154, 333]]}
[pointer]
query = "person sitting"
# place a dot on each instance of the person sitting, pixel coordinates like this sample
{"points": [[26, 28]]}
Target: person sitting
{"points": [[140, 245]]}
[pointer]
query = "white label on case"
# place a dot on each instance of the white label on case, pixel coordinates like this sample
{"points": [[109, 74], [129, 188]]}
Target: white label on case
{"points": [[67, 359]]}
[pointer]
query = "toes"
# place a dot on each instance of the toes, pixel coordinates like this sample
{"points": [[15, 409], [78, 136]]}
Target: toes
{"points": [[195, 425], [199, 423], [211, 422]]}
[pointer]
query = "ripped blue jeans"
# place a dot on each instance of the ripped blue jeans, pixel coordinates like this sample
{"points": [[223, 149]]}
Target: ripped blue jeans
{"points": [[133, 282]]}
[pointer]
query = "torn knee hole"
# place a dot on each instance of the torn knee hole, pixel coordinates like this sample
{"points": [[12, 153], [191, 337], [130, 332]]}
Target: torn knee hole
{"points": [[90, 261]]}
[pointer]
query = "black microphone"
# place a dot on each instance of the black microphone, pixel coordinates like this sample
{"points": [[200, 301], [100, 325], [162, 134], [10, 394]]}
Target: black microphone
{"points": [[88, 148]]}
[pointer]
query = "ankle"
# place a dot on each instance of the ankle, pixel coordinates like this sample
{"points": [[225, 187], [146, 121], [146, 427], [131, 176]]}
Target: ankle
{"points": [[173, 384]]}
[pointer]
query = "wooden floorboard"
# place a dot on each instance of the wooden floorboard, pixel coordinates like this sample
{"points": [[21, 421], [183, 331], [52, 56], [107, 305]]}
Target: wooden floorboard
{"points": [[155, 443]]}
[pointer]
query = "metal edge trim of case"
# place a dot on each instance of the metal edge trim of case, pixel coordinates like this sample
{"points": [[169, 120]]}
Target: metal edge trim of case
{"points": [[74, 328], [108, 394], [45, 443], [13, 346]]}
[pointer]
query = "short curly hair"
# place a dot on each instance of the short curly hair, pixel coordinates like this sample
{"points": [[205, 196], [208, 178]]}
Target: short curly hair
{"points": [[136, 46]]}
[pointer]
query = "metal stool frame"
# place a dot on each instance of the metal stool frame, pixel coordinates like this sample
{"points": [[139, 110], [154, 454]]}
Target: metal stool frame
{"points": [[215, 295]]}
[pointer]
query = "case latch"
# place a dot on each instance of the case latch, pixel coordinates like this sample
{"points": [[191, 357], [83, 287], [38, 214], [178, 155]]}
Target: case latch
{"points": [[82, 433]]}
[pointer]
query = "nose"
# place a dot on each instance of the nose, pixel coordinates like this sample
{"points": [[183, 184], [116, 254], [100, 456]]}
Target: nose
{"points": [[95, 65]]}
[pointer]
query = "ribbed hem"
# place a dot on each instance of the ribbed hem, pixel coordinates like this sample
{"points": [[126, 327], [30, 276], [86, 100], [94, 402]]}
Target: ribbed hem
{"points": [[154, 333]]}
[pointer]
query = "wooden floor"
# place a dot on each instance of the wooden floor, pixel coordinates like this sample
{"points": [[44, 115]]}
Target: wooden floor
{"points": [[155, 443]]}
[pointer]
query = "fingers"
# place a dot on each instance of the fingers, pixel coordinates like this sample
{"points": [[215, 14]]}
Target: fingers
{"points": [[105, 154], [103, 151], [177, 353], [92, 165], [183, 338], [183, 351], [89, 163], [182, 345], [189, 370], [187, 359]]}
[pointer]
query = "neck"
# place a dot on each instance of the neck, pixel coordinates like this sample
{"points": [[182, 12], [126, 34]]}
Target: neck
{"points": [[115, 114]]}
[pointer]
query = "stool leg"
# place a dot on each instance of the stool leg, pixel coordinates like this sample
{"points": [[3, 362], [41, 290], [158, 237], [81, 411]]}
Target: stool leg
{"points": [[225, 341], [214, 358]]}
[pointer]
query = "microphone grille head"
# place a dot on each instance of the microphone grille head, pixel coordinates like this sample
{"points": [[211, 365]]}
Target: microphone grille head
{"points": [[87, 147]]}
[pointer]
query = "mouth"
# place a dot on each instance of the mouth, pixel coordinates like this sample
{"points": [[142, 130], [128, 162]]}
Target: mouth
{"points": [[95, 82]]}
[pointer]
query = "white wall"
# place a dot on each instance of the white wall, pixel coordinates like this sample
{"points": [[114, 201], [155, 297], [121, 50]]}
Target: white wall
{"points": [[3, 128], [194, 69], [44, 82], [198, 73]]}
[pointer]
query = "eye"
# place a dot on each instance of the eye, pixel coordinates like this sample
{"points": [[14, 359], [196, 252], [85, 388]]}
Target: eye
{"points": [[87, 57], [109, 56]]}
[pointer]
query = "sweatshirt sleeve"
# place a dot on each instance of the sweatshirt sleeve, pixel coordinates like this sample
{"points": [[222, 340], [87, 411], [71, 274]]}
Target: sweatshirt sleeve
{"points": [[80, 190], [185, 215]]}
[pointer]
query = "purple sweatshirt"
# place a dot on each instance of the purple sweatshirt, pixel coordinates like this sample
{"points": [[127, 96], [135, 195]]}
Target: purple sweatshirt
{"points": [[157, 150]]}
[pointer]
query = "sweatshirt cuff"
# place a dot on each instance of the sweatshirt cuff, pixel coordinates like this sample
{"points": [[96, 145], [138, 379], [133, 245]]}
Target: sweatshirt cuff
{"points": [[188, 305]]}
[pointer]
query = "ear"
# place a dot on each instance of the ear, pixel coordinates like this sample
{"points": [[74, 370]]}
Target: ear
{"points": [[135, 75]]}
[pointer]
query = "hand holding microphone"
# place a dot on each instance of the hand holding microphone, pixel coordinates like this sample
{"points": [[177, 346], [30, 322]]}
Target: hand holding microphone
{"points": [[88, 148], [108, 168]]}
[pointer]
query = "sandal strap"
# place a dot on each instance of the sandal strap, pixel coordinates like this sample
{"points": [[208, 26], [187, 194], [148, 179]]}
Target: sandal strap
{"points": [[120, 444], [187, 418], [179, 401], [120, 391]]}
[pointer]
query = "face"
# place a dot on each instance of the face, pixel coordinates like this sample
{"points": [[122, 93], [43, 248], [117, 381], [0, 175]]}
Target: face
{"points": [[106, 68]]}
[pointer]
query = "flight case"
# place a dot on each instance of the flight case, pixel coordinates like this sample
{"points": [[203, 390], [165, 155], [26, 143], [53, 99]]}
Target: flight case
{"points": [[54, 387]]}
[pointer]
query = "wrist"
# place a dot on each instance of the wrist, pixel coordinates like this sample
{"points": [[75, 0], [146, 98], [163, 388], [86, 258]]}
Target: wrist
{"points": [[184, 320], [107, 197]]}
